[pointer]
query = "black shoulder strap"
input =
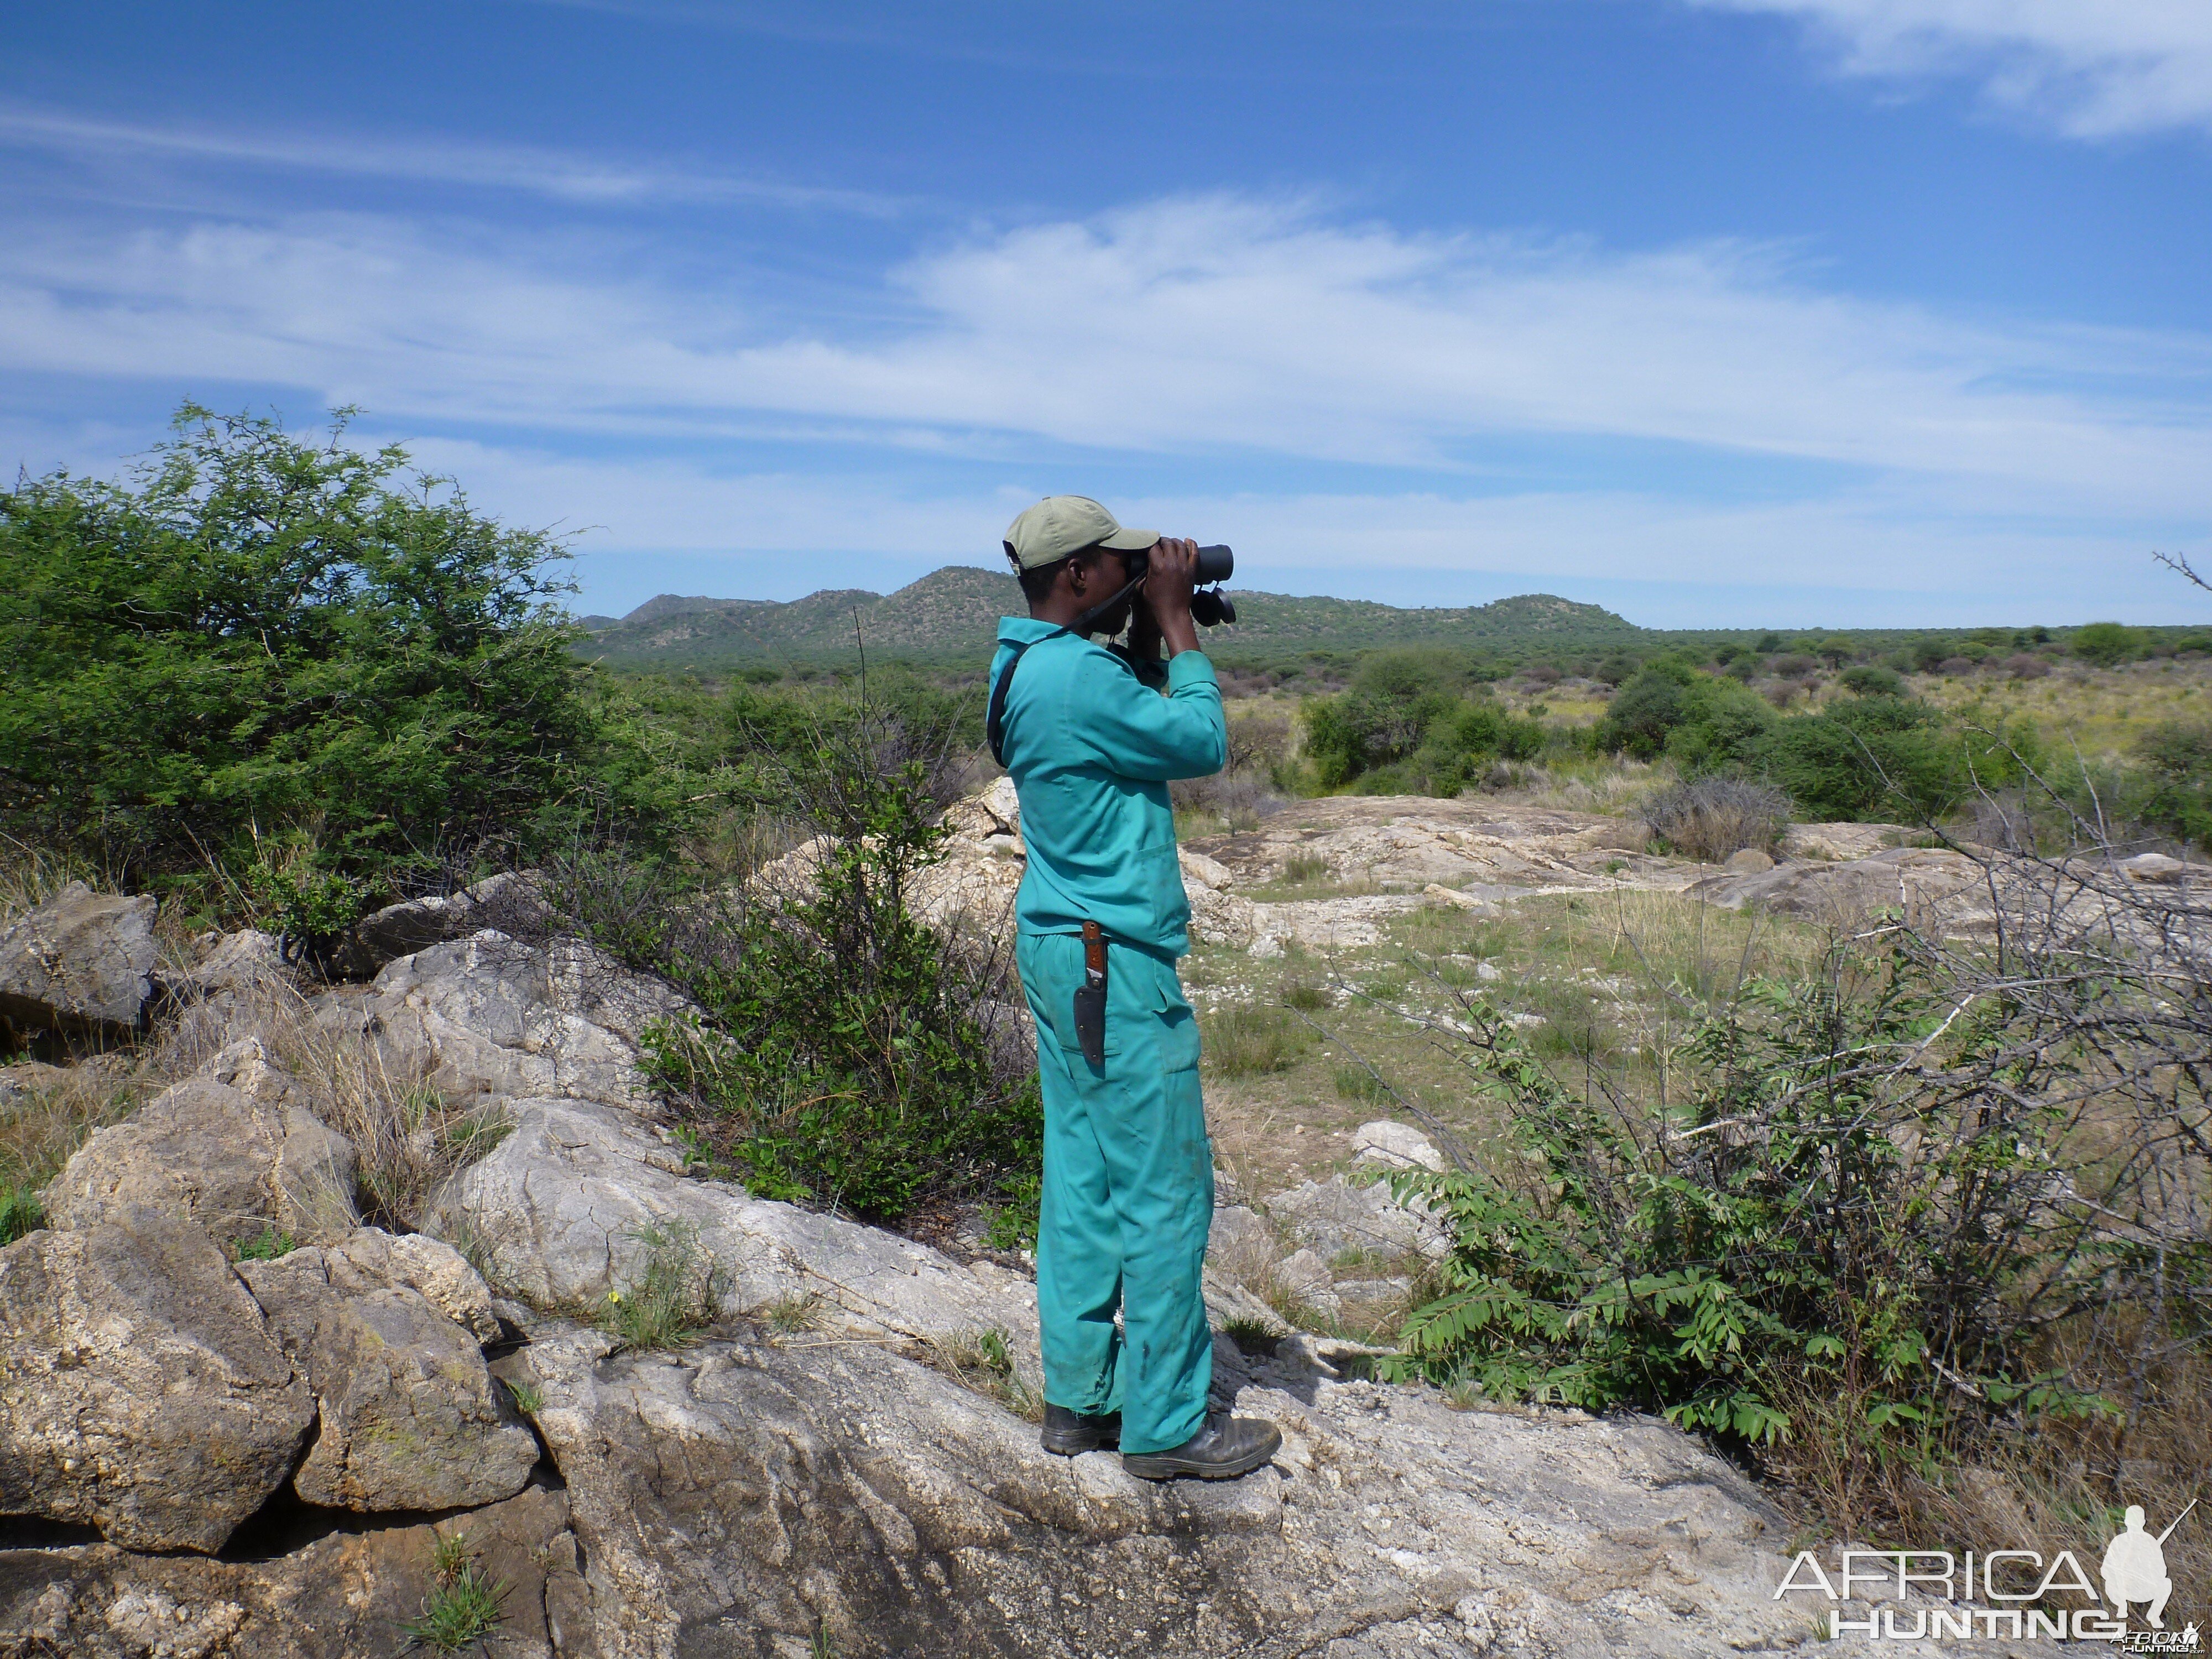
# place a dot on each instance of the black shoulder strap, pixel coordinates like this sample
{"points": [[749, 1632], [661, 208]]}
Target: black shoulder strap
{"points": [[994, 721]]}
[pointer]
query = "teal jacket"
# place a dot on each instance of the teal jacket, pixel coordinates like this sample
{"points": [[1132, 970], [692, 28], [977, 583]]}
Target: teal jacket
{"points": [[1091, 748]]}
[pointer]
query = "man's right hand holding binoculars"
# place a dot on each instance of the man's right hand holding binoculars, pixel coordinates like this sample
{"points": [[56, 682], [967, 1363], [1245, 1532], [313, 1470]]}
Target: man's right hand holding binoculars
{"points": [[1163, 615]]}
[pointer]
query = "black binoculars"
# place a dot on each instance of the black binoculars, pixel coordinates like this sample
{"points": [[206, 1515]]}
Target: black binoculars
{"points": [[1209, 608]]}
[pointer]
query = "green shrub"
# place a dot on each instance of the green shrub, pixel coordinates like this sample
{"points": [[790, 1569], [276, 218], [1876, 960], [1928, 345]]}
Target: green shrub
{"points": [[840, 1060], [2107, 644], [1463, 740], [265, 631], [1723, 727], [2172, 794], [1870, 680], [1644, 712], [1875, 756], [1795, 1221]]}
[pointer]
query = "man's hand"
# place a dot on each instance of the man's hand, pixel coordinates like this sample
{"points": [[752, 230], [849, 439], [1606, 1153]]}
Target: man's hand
{"points": [[1170, 571]]}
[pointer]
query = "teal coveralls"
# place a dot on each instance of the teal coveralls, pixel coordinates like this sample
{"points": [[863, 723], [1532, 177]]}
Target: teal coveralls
{"points": [[1128, 1170]]}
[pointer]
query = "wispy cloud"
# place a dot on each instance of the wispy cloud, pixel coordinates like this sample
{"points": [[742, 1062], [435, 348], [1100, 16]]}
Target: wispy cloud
{"points": [[556, 174], [1218, 326], [2091, 68]]}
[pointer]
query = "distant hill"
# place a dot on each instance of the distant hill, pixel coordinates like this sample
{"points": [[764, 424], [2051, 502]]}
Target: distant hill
{"points": [[953, 614]]}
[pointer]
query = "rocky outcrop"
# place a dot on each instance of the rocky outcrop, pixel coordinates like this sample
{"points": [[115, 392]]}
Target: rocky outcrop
{"points": [[343, 1596], [489, 1015], [81, 963], [139, 1392], [755, 1497], [510, 903], [1933, 887], [1390, 1145], [408, 1416], [1407, 842], [569, 1207], [1338, 1217], [230, 970], [235, 1150]]}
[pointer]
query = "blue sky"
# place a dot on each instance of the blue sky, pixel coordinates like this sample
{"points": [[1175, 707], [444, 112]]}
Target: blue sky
{"points": [[1718, 312]]}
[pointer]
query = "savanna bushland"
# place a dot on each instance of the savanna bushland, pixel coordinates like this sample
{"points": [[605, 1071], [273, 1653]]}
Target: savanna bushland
{"points": [[1913, 1223]]}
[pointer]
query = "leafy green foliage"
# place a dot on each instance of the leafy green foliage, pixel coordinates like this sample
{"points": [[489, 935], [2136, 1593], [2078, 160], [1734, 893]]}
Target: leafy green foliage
{"points": [[267, 1245], [266, 632], [2107, 644], [1646, 711], [22, 1211], [1420, 714], [2174, 791], [1803, 1220], [840, 1060], [1871, 680]]}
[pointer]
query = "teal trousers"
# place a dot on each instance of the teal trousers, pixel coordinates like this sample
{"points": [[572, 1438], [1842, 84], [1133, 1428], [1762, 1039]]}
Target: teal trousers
{"points": [[1128, 1195]]}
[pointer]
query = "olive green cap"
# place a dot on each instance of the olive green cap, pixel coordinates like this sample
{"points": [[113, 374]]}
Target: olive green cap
{"points": [[1061, 524]]}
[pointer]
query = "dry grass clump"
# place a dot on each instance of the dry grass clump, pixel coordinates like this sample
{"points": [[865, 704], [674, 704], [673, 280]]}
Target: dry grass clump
{"points": [[981, 1362], [1714, 817], [1250, 1041], [674, 1299]]}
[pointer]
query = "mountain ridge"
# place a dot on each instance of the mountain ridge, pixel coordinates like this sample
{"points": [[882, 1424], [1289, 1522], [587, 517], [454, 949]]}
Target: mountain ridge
{"points": [[954, 612]]}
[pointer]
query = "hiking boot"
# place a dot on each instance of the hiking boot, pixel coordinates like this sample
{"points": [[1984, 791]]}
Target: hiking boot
{"points": [[1069, 1434], [1224, 1449]]}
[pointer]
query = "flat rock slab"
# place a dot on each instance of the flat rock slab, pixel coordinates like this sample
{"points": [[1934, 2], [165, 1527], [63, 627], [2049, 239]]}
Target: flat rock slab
{"points": [[82, 962], [752, 1497], [1336, 1216], [234, 1149], [139, 1392], [344, 1595], [489, 1015], [1932, 886], [408, 1416]]}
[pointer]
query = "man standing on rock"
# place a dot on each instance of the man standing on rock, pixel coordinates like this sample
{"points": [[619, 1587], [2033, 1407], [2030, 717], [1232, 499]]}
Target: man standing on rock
{"points": [[1091, 743]]}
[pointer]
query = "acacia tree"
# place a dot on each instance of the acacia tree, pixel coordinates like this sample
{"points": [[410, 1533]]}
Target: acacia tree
{"points": [[261, 635]]}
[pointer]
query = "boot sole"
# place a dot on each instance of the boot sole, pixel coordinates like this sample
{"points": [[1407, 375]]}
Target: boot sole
{"points": [[1076, 1445], [1154, 1465]]}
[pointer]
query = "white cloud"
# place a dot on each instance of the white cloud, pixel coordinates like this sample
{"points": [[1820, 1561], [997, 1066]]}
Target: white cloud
{"points": [[1212, 325], [1257, 340], [2091, 68], [557, 174]]}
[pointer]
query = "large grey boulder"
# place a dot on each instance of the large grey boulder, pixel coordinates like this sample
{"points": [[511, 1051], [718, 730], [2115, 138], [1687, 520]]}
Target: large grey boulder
{"points": [[511, 902], [491, 1016], [82, 963], [409, 1416], [230, 971], [567, 1207], [347, 1595], [233, 1148], [755, 1497], [138, 1390], [1337, 1217], [1933, 887]]}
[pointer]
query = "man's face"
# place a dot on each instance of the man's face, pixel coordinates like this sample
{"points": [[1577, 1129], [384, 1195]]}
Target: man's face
{"points": [[1109, 574]]}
